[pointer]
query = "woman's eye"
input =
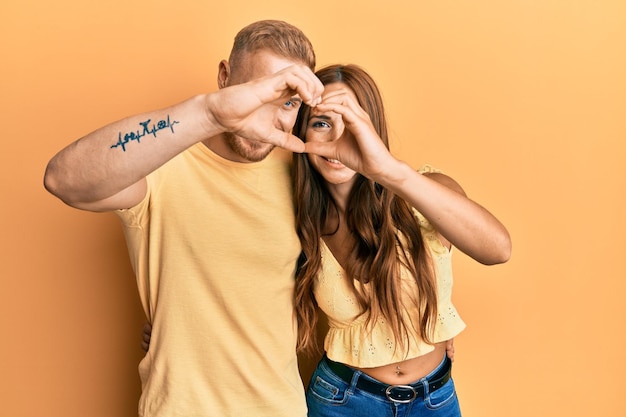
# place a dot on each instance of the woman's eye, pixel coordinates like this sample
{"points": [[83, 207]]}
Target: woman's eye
{"points": [[320, 124]]}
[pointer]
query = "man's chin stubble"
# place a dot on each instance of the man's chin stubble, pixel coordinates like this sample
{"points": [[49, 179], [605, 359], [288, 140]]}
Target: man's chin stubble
{"points": [[251, 151]]}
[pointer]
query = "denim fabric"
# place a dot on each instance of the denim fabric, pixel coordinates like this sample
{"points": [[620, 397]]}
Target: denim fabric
{"points": [[329, 396]]}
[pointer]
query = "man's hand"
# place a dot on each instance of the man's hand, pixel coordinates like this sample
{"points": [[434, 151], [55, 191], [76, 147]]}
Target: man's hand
{"points": [[250, 110], [450, 349]]}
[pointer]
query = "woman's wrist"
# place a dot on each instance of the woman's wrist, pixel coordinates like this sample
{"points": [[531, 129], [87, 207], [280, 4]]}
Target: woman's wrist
{"points": [[394, 174]]}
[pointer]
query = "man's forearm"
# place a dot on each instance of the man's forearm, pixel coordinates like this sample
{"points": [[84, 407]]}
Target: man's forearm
{"points": [[114, 157]]}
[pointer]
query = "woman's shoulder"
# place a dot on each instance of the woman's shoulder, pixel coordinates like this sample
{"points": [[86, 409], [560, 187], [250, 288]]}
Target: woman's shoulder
{"points": [[439, 176]]}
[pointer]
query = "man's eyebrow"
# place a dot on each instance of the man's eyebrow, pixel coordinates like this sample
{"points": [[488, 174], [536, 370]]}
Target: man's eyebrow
{"points": [[296, 99], [320, 116]]}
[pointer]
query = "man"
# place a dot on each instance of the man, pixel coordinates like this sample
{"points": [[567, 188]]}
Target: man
{"points": [[207, 213]]}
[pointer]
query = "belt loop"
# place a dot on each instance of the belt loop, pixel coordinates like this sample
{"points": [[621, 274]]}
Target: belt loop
{"points": [[355, 379], [435, 375], [425, 386]]}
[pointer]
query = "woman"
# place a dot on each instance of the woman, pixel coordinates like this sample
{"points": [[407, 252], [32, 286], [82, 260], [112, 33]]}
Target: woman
{"points": [[377, 238]]}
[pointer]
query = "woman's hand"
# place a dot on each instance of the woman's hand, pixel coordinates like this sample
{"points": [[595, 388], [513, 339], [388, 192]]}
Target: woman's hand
{"points": [[358, 146]]}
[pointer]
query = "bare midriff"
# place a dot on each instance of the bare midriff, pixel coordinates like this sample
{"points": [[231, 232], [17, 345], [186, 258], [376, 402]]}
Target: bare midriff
{"points": [[410, 370]]}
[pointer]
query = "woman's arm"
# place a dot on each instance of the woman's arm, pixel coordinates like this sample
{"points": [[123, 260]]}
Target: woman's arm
{"points": [[460, 220]]}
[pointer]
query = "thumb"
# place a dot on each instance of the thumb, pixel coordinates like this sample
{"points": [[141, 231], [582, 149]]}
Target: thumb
{"points": [[326, 149], [287, 141]]}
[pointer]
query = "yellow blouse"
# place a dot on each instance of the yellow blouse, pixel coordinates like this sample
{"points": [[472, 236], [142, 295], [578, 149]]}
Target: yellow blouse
{"points": [[349, 341]]}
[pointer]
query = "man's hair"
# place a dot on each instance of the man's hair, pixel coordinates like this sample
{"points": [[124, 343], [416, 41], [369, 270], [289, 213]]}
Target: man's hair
{"points": [[279, 37]]}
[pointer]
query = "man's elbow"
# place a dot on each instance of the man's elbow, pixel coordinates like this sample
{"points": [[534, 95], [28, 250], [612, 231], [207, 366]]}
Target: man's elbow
{"points": [[52, 181], [56, 183]]}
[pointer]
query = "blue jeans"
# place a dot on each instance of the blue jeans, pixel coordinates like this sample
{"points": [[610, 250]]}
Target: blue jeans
{"points": [[328, 395]]}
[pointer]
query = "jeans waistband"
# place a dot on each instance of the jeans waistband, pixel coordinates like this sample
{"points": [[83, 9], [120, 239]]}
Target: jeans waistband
{"points": [[396, 393]]}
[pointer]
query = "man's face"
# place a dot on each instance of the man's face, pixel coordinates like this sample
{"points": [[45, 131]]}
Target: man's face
{"points": [[256, 65]]}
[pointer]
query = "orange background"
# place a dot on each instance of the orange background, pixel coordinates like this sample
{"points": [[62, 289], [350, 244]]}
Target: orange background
{"points": [[522, 101]]}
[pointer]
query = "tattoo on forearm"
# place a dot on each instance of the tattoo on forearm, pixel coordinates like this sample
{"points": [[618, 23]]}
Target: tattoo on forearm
{"points": [[122, 141]]}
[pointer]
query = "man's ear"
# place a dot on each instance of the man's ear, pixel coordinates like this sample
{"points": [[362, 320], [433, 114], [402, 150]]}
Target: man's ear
{"points": [[223, 73]]}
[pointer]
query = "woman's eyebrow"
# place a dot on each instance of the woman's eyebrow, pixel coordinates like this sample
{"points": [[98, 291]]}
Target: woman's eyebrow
{"points": [[320, 116]]}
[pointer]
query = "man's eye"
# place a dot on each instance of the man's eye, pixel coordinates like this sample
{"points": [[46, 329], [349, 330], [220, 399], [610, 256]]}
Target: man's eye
{"points": [[293, 104]]}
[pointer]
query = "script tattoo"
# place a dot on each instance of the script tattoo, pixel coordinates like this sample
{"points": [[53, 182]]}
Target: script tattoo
{"points": [[122, 141]]}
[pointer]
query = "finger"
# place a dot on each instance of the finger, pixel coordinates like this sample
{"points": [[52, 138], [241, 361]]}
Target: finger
{"points": [[325, 149], [345, 97], [450, 349], [145, 343], [349, 110], [301, 80], [336, 95], [356, 120], [286, 141]]}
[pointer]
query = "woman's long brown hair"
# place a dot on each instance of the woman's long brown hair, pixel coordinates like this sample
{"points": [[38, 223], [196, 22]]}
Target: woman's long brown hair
{"points": [[382, 224]]}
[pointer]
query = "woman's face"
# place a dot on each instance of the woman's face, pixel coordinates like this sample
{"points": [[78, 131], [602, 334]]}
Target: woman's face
{"points": [[326, 127]]}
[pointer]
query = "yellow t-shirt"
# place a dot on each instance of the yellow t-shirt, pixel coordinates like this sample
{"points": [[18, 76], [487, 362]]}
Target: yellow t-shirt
{"points": [[348, 339], [214, 248]]}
